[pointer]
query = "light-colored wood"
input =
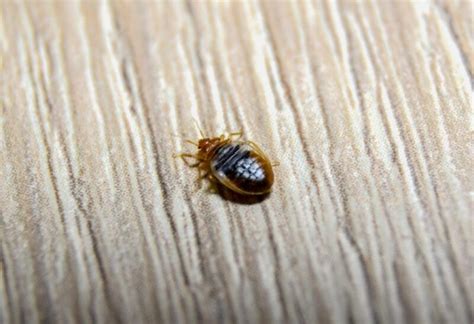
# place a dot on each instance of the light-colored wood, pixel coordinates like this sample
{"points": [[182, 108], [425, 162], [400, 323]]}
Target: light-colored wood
{"points": [[367, 106]]}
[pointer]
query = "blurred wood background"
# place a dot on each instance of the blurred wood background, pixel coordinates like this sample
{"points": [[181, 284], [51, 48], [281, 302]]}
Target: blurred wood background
{"points": [[367, 106]]}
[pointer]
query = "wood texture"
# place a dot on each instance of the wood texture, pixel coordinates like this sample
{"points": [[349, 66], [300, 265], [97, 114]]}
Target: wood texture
{"points": [[367, 106]]}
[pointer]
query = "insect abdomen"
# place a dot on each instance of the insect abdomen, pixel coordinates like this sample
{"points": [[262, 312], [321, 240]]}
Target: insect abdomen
{"points": [[240, 168]]}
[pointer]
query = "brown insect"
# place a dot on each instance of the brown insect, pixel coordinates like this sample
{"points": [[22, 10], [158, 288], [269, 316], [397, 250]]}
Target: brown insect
{"points": [[240, 166]]}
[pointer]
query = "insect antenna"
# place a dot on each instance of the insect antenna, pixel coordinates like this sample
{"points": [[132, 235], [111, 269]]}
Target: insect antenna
{"points": [[191, 142], [186, 140], [199, 128]]}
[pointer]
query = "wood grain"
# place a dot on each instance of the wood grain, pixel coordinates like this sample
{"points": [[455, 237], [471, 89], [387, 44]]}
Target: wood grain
{"points": [[366, 105]]}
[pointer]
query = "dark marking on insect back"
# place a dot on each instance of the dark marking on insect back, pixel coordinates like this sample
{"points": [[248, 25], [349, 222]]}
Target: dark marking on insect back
{"points": [[240, 165], [224, 154]]}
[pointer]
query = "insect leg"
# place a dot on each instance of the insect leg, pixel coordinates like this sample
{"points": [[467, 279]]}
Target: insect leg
{"points": [[185, 156], [256, 147], [203, 175], [238, 134], [259, 151], [212, 184]]}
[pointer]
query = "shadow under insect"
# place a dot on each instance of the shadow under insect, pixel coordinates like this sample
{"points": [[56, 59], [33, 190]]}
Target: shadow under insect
{"points": [[234, 197]]}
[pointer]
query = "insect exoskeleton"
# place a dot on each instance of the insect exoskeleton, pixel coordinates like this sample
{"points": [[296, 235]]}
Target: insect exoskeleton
{"points": [[240, 166]]}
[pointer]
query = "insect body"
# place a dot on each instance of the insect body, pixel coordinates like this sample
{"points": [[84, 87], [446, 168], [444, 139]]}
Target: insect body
{"points": [[241, 166]]}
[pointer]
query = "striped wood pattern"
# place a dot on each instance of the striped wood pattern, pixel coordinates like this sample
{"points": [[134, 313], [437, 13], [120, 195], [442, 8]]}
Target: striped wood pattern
{"points": [[367, 106]]}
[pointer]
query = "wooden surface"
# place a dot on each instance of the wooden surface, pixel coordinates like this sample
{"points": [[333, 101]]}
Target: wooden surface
{"points": [[367, 106]]}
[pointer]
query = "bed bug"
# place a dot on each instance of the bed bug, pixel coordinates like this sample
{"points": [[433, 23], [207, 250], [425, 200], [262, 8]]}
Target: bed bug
{"points": [[240, 166]]}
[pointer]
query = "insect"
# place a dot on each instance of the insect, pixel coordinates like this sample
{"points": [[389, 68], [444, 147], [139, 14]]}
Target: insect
{"points": [[240, 166]]}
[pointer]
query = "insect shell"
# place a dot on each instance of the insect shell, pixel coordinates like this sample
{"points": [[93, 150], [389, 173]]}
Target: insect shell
{"points": [[240, 166]]}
